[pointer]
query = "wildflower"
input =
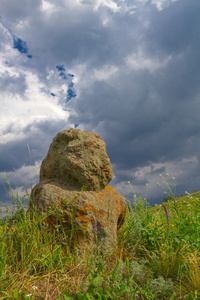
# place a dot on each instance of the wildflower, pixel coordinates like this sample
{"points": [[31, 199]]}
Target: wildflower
{"points": [[95, 229], [34, 287], [167, 215], [95, 224]]}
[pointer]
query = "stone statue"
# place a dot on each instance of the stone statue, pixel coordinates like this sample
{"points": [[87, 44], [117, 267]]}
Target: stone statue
{"points": [[74, 179]]}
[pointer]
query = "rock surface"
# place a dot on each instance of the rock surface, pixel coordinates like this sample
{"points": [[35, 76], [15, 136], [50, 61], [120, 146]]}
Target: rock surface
{"points": [[76, 159]]}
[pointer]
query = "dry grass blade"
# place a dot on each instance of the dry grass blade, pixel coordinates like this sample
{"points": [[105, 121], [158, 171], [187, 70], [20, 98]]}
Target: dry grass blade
{"points": [[193, 271]]}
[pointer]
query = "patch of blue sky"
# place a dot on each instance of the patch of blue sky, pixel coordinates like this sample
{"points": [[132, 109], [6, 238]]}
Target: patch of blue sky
{"points": [[60, 67], [63, 75], [71, 93], [21, 46], [70, 85]]}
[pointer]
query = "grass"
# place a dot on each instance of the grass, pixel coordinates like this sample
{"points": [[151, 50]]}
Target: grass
{"points": [[157, 256]]}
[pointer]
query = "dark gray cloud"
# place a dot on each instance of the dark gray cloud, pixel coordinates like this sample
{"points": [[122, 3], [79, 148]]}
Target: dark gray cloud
{"points": [[127, 70], [16, 11]]}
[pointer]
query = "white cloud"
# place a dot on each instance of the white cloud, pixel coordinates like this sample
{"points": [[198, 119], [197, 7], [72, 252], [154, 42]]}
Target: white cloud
{"points": [[28, 98], [27, 173], [48, 8], [101, 3], [162, 4], [105, 72], [107, 3], [141, 61], [35, 106], [22, 181], [149, 174]]}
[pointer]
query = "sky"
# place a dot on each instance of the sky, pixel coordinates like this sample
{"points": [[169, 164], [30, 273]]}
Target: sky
{"points": [[125, 69]]}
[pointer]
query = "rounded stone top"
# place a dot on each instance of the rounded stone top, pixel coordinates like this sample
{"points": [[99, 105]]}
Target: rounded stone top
{"points": [[78, 158]]}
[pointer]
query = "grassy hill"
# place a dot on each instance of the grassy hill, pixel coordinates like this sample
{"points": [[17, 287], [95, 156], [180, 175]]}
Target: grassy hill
{"points": [[157, 257]]}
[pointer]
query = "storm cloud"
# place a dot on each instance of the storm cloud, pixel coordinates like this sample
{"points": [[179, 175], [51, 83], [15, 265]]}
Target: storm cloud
{"points": [[127, 70]]}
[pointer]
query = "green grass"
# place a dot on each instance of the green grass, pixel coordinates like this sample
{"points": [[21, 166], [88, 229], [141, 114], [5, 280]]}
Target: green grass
{"points": [[153, 259]]}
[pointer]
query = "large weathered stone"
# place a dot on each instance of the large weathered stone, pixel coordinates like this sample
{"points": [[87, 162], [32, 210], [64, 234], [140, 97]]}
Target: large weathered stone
{"points": [[76, 159], [80, 207]]}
